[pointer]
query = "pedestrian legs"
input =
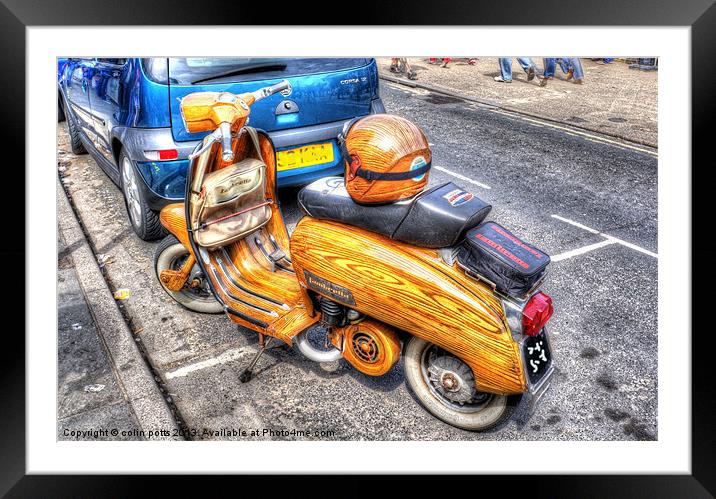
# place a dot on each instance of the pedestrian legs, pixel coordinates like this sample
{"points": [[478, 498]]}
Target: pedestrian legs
{"points": [[506, 68], [550, 64], [576, 66]]}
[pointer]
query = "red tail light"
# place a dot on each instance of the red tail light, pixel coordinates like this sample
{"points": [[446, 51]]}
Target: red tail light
{"points": [[168, 154], [536, 313], [161, 155]]}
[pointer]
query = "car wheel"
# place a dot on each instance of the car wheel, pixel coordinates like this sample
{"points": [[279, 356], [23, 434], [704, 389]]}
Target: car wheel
{"points": [[143, 219], [60, 111], [75, 142]]}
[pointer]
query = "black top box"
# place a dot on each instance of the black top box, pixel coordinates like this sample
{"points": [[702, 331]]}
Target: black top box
{"points": [[493, 252]]}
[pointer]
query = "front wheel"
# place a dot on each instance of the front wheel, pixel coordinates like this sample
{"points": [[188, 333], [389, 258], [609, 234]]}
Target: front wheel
{"points": [[445, 386], [195, 295]]}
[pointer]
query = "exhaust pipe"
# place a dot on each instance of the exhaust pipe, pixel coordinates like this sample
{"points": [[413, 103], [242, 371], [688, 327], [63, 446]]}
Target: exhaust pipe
{"points": [[312, 353]]}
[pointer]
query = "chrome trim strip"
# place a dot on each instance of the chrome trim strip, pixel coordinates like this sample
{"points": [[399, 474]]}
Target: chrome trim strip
{"points": [[236, 298]]}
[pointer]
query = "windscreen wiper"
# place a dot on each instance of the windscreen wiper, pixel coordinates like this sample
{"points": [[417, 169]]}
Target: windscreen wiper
{"points": [[252, 68]]}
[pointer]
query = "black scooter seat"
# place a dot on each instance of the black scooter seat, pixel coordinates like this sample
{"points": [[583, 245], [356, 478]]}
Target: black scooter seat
{"points": [[435, 218]]}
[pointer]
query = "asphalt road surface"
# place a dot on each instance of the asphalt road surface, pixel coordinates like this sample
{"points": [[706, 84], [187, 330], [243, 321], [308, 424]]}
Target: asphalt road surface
{"points": [[588, 202]]}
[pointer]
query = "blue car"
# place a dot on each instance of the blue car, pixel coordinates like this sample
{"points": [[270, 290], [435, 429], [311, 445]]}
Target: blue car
{"points": [[125, 113]]}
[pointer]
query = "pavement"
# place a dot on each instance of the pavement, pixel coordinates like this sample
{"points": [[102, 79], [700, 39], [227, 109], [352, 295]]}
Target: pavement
{"points": [[614, 100], [105, 390], [587, 199]]}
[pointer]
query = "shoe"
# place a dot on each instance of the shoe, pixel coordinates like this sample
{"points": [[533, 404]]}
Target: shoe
{"points": [[472, 62], [499, 78], [570, 74], [412, 75], [531, 73], [543, 81], [579, 82], [394, 69]]}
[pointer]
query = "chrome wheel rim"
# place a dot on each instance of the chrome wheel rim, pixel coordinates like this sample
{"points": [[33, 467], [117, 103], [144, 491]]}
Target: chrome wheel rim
{"points": [[451, 381], [131, 189]]}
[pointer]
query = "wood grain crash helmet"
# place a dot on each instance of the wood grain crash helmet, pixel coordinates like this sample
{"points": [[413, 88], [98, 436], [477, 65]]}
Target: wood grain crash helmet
{"points": [[387, 158]]}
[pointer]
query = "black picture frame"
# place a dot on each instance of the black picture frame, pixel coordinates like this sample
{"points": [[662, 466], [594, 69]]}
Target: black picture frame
{"points": [[700, 15]]}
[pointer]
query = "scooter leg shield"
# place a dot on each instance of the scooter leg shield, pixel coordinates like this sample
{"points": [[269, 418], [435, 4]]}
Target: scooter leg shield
{"points": [[413, 290]]}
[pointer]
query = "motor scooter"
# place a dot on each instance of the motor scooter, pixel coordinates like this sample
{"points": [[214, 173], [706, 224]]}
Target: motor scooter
{"points": [[384, 281]]}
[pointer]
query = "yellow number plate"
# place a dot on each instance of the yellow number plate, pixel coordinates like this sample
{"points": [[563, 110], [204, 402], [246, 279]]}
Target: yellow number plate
{"points": [[315, 154]]}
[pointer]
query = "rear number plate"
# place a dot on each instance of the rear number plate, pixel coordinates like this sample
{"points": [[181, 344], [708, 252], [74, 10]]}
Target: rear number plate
{"points": [[314, 154], [538, 356]]}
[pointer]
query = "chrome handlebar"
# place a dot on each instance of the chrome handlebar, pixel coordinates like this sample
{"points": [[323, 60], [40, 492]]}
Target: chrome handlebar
{"points": [[262, 93]]}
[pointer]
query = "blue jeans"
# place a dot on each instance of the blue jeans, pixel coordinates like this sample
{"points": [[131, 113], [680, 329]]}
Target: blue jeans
{"points": [[574, 63], [506, 66], [550, 63]]}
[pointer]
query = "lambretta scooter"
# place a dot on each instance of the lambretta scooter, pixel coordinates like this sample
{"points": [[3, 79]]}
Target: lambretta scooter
{"points": [[423, 278]]}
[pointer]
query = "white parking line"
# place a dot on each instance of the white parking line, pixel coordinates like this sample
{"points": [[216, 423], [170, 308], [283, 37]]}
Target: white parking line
{"points": [[607, 241], [576, 224], [582, 250], [227, 356], [462, 177]]}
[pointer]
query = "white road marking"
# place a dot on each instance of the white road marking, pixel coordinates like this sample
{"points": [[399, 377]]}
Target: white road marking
{"points": [[462, 177], [574, 132], [582, 250], [608, 240], [227, 356], [635, 247], [576, 224]]}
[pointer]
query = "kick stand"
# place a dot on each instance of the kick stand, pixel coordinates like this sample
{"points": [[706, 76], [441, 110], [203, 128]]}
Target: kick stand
{"points": [[248, 373]]}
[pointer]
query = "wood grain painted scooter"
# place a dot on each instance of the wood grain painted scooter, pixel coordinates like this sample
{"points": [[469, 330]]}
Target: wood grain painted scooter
{"points": [[424, 278]]}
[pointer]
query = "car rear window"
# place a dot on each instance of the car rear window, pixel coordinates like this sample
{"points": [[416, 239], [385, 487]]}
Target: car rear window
{"points": [[186, 70]]}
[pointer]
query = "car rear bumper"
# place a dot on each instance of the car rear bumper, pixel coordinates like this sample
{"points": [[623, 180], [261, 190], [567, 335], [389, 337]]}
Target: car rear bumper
{"points": [[164, 181]]}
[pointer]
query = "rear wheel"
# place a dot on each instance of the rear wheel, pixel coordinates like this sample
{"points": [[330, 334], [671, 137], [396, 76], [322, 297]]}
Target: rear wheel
{"points": [[144, 220], [445, 386], [74, 133], [170, 254], [60, 111]]}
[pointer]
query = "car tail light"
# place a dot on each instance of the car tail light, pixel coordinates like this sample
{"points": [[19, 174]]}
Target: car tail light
{"points": [[161, 155], [536, 313]]}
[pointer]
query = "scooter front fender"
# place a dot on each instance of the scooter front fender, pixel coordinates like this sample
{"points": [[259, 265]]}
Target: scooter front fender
{"points": [[173, 219], [411, 289]]}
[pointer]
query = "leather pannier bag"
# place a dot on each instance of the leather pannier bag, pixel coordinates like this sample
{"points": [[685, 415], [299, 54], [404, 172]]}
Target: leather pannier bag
{"points": [[494, 253], [230, 203]]}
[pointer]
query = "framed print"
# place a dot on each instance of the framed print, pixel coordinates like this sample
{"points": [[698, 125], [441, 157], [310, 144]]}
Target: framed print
{"points": [[359, 247]]}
